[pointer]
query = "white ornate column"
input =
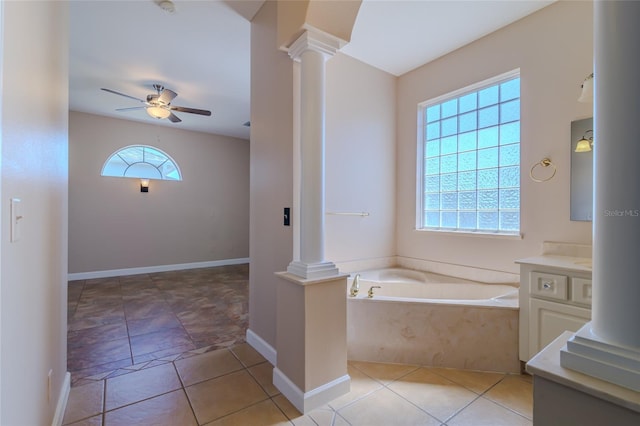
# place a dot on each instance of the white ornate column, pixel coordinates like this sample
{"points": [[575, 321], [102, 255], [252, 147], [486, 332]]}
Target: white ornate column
{"points": [[608, 347], [312, 50], [311, 320]]}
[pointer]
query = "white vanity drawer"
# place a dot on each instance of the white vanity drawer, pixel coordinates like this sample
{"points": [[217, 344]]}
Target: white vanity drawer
{"points": [[550, 286], [581, 291]]}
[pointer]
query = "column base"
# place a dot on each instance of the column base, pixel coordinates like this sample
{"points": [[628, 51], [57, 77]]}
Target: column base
{"points": [[313, 270], [307, 401], [591, 355]]}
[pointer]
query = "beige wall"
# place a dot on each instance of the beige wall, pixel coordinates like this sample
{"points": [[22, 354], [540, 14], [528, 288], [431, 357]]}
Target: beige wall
{"points": [[360, 160], [360, 164], [553, 49], [271, 243], [112, 225], [33, 289]]}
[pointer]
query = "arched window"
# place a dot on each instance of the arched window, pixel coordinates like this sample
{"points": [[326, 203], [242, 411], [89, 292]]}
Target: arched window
{"points": [[141, 161]]}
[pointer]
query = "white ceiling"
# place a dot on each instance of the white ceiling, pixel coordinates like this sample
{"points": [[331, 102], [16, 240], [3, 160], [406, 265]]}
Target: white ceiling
{"points": [[202, 50]]}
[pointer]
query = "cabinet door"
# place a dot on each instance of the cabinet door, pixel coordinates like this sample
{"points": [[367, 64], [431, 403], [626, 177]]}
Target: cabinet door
{"points": [[548, 320]]}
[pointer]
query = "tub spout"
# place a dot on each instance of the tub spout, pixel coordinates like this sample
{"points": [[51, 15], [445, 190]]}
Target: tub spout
{"points": [[355, 286], [370, 293]]}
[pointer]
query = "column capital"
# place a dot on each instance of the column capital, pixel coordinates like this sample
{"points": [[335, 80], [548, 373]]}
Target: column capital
{"points": [[316, 41]]}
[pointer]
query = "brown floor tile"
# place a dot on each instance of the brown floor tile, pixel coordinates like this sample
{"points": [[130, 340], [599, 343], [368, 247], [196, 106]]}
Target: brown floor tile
{"points": [[262, 413], [263, 373], [96, 335], [99, 353], [224, 395], [152, 324], [247, 355], [91, 421], [140, 385], [170, 409], [207, 366], [84, 402], [158, 340], [141, 309], [163, 353]]}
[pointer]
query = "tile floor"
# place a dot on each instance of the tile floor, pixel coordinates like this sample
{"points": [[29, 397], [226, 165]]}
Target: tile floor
{"points": [[208, 379]]}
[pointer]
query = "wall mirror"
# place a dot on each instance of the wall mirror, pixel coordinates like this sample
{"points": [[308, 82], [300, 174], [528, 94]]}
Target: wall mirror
{"points": [[582, 169]]}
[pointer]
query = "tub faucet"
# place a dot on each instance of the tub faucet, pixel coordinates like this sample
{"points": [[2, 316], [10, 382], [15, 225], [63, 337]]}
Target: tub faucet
{"points": [[370, 294], [355, 286]]}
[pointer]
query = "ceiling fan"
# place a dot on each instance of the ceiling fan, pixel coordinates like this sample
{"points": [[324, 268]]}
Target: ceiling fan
{"points": [[158, 105]]}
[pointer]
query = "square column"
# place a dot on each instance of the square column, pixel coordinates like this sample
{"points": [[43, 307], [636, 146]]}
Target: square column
{"points": [[311, 367]]}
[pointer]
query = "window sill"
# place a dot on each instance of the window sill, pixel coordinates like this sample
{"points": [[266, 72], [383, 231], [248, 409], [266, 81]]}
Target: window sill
{"points": [[495, 235]]}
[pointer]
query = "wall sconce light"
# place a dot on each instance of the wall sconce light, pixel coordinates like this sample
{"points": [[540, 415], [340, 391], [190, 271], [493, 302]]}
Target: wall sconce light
{"points": [[585, 144], [587, 89], [144, 185]]}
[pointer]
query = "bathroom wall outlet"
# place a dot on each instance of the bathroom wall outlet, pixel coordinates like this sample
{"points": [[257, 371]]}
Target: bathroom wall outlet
{"points": [[287, 216]]}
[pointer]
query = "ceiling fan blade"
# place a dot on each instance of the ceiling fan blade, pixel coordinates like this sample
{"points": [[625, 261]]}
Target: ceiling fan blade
{"points": [[174, 118], [122, 94], [130, 108], [166, 96], [191, 110]]}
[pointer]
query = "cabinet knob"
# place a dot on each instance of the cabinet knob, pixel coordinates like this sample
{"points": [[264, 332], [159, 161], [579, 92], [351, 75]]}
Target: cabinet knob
{"points": [[547, 285]]}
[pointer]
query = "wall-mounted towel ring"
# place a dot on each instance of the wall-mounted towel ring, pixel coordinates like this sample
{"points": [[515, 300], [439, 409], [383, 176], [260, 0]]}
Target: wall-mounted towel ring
{"points": [[545, 162]]}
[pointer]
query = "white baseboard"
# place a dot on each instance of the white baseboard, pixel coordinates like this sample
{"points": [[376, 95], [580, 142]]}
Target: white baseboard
{"points": [[61, 406], [151, 269], [307, 401], [260, 345]]}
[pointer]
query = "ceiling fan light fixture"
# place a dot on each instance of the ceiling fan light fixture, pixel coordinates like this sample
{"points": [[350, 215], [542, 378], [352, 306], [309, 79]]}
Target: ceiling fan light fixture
{"points": [[158, 112], [167, 6]]}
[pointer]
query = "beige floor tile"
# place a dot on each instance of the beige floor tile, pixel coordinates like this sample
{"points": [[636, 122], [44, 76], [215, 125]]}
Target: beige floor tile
{"points": [[476, 381], [263, 373], [433, 393], [483, 412], [515, 393], [263, 413], [170, 409], [384, 373], [287, 407], [361, 385], [84, 401], [325, 417], [384, 408], [206, 366], [247, 355], [224, 395], [91, 421], [143, 384]]}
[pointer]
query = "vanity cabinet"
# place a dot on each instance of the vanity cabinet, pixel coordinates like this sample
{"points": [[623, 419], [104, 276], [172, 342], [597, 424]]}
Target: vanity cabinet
{"points": [[555, 296]]}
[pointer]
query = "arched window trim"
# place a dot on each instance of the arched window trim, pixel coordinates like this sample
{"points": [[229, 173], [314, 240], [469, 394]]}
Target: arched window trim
{"points": [[158, 167]]}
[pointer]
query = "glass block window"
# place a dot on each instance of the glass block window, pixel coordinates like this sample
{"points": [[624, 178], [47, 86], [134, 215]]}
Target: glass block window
{"points": [[470, 155], [141, 161]]}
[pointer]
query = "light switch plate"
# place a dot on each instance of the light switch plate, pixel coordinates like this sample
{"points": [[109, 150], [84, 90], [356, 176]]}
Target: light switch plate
{"points": [[16, 218]]}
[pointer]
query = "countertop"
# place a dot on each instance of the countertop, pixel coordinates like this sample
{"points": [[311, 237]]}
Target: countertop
{"points": [[582, 264]]}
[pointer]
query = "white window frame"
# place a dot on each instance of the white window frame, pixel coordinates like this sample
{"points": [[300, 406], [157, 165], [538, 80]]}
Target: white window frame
{"points": [[420, 160], [155, 170]]}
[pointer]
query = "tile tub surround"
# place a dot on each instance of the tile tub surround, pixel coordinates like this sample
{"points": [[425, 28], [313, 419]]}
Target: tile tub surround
{"points": [[439, 335]]}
